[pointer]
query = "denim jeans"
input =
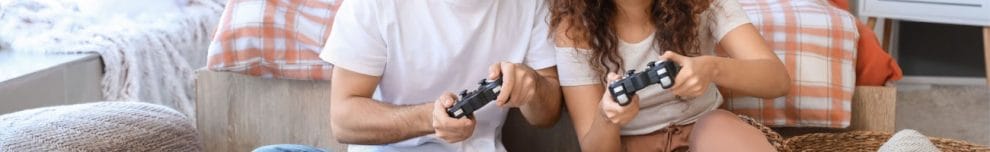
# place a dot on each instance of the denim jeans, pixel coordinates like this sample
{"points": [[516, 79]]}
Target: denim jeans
{"points": [[288, 148]]}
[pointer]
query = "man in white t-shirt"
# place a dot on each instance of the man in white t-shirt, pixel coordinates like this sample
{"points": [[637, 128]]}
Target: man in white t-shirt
{"points": [[415, 52]]}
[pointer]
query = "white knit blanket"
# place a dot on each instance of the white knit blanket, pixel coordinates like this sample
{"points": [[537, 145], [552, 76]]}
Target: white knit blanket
{"points": [[149, 47]]}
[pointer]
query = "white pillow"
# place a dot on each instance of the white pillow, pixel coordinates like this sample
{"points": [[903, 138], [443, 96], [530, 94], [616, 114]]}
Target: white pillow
{"points": [[908, 140]]}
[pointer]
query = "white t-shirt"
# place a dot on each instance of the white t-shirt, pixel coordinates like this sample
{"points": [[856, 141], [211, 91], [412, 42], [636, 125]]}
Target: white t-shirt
{"points": [[658, 108], [421, 48]]}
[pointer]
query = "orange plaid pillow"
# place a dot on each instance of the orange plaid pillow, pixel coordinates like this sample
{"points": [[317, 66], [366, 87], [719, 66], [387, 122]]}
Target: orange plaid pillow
{"points": [[817, 43], [273, 38]]}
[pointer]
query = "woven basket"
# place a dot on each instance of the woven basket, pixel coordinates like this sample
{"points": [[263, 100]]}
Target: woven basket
{"points": [[773, 137], [850, 141], [865, 141]]}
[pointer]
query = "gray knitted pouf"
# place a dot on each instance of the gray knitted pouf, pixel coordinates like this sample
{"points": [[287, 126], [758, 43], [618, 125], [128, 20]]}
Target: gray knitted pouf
{"points": [[102, 126]]}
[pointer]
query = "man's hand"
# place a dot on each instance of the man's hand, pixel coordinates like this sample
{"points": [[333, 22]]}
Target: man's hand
{"points": [[535, 92], [618, 114], [518, 83], [450, 129]]}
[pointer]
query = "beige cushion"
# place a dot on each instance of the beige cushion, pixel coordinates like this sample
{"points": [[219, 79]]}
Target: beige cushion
{"points": [[102, 126]]}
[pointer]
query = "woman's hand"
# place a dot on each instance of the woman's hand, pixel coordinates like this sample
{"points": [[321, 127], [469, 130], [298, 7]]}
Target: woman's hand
{"points": [[618, 114], [695, 76]]}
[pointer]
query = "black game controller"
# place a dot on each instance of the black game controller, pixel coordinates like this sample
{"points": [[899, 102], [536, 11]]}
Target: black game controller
{"points": [[657, 72], [468, 102]]}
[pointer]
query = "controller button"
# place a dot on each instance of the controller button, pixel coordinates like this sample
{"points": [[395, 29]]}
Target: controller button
{"points": [[618, 89], [458, 112], [665, 81], [622, 99], [662, 71]]}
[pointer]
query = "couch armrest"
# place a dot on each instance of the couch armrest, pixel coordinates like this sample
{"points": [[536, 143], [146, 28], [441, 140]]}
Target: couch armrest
{"points": [[239, 113], [873, 108]]}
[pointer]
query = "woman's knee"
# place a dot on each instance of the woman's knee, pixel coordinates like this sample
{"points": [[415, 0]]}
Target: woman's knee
{"points": [[725, 129], [718, 117], [724, 121]]}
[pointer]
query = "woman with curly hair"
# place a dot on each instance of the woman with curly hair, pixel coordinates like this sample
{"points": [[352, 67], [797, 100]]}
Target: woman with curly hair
{"points": [[598, 39]]}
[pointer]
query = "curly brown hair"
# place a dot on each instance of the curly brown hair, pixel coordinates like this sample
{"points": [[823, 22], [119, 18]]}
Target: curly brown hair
{"points": [[590, 22]]}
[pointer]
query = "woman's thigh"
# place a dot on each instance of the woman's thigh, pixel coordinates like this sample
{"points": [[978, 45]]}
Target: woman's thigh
{"points": [[721, 130]]}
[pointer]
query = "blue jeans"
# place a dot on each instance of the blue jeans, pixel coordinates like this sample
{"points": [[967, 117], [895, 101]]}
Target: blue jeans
{"points": [[288, 148]]}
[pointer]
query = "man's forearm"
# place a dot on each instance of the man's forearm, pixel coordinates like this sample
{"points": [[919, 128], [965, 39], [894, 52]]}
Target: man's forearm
{"points": [[545, 109], [361, 120]]}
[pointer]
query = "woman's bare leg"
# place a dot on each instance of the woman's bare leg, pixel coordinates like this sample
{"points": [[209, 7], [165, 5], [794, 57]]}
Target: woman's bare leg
{"points": [[721, 130]]}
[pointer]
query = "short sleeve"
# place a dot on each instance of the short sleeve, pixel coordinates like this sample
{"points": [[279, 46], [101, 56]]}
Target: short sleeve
{"points": [[541, 52], [573, 68], [726, 15], [355, 42]]}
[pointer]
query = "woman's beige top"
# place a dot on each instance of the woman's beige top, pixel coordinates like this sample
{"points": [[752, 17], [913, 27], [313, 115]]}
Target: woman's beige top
{"points": [[658, 108]]}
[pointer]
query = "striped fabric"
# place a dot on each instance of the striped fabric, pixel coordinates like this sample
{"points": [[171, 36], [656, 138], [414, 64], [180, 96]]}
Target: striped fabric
{"points": [[817, 43], [274, 38]]}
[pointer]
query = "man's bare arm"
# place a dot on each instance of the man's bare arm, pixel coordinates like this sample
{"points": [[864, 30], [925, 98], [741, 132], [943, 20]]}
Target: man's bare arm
{"points": [[358, 119], [544, 110]]}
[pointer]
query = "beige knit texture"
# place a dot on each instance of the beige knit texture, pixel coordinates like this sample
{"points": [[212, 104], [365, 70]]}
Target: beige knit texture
{"points": [[908, 140], [102, 126]]}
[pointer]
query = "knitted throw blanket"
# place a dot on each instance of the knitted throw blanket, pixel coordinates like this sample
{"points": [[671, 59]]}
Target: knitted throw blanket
{"points": [[149, 47], [102, 126]]}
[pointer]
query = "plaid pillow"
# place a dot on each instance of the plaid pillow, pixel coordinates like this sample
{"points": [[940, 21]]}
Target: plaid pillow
{"points": [[274, 38], [817, 43]]}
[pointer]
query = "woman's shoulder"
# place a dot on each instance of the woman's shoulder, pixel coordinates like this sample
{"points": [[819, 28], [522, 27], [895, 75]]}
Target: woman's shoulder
{"points": [[567, 36]]}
